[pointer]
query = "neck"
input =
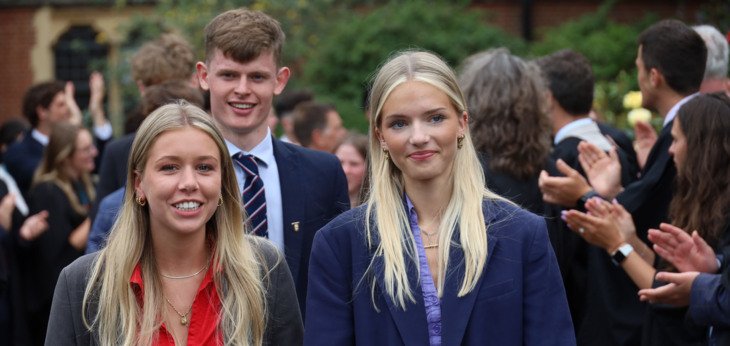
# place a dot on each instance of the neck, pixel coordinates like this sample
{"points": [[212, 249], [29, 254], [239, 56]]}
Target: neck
{"points": [[44, 128], [667, 101], [430, 198], [354, 199], [562, 118], [244, 140], [180, 255]]}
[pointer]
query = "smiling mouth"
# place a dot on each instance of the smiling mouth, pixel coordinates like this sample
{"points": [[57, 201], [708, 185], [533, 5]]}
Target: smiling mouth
{"points": [[241, 105], [187, 206]]}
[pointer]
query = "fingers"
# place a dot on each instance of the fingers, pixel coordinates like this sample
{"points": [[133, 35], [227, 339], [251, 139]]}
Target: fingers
{"points": [[565, 169], [657, 295]]}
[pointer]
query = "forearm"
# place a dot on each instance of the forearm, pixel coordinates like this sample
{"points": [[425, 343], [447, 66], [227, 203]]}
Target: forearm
{"points": [[80, 235], [640, 272]]}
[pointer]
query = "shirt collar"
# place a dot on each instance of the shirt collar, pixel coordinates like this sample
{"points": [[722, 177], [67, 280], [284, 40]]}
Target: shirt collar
{"points": [[565, 130], [41, 138], [673, 111], [264, 151]]}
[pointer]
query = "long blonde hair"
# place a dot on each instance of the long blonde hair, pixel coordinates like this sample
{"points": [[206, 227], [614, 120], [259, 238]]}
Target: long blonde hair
{"points": [[385, 202], [54, 165], [238, 270]]}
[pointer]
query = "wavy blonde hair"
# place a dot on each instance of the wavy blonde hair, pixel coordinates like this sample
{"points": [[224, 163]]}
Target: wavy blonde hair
{"points": [[385, 202], [54, 166], [237, 266]]}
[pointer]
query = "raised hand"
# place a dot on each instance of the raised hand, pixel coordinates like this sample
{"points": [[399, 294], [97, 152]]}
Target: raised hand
{"points": [[565, 190], [645, 138], [34, 226], [73, 107], [685, 252], [603, 170], [7, 204], [599, 230]]}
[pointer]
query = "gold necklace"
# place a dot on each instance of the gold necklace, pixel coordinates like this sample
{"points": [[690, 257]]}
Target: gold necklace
{"points": [[183, 317], [428, 236], [207, 262]]}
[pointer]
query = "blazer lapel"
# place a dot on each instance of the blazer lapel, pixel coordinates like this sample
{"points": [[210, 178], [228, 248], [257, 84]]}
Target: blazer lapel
{"points": [[455, 310], [292, 188], [411, 322]]}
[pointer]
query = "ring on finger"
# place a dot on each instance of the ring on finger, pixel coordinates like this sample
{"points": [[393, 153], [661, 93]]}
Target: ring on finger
{"points": [[581, 230]]}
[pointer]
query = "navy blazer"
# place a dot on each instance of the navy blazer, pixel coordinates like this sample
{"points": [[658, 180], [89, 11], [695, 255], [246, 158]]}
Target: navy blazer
{"points": [[519, 299], [313, 192], [22, 159]]}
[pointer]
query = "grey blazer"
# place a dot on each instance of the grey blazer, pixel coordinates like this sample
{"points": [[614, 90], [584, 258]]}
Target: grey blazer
{"points": [[283, 321]]}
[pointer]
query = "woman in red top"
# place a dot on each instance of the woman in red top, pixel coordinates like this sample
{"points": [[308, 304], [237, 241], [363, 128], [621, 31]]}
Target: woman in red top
{"points": [[178, 267]]}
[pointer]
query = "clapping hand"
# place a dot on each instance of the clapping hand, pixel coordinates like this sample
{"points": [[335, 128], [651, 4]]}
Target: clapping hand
{"points": [[565, 190], [685, 252], [676, 292], [603, 170]]}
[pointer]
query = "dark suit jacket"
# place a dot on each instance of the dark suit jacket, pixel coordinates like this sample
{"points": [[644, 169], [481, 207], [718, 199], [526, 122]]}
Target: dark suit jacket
{"points": [[113, 169], [66, 326], [313, 192], [22, 159], [518, 300]]}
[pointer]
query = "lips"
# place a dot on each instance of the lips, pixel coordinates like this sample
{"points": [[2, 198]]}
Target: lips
{"points": [[422, 155]]}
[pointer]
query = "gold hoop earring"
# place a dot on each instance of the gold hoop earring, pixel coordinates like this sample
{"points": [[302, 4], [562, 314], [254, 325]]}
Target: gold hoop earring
{"points": [[220, 201], [140, 200], [460, 142]]}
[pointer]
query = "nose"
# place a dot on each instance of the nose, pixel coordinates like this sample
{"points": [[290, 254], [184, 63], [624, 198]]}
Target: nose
{"points": [[242, 86], [188, 180], [419, 134]]}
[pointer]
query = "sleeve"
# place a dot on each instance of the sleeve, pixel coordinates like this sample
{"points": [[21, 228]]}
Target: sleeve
{"points": [[285, 321], [60, 323], [710, 301], [102, 225], [329, 310], [45, 196], [342, 197], [547, 319]]}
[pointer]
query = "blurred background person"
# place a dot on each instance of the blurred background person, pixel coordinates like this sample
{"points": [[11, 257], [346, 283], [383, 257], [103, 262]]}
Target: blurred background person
{"points": [[353, 157], [715, 79], [318, 126], [284, 107], [63, 187]]}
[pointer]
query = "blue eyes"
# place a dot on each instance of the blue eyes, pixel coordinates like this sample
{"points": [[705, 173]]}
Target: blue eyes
{"points": [[401, 123], [203, 168]]}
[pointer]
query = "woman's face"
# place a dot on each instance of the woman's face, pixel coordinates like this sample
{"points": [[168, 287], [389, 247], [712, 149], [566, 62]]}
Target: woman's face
{"points": [[354, 166], [678, 149], [419, 127], [180, 182], [82, 159]]}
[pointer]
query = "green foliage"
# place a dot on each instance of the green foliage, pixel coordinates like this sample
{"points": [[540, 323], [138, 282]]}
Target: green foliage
{"points": [[352, 47]]}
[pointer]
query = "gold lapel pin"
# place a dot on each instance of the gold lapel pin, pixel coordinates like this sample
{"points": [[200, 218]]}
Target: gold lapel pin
{"points": [[295, 225]]}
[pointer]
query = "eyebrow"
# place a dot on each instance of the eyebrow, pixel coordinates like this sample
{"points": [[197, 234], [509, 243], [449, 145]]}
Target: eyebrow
{"points": [[177, 158], [430, 111]]}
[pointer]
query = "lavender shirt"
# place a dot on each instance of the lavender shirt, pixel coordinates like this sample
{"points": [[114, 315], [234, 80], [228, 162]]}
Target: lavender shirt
{"points": [[430, 295]]}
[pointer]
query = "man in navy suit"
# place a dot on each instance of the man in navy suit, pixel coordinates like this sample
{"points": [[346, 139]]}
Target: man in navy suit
{"points": [[670, 62], [303, 189]]}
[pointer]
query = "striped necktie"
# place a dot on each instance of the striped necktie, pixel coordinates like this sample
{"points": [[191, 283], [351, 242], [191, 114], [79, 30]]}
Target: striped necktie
{"points": [[254, 198]]}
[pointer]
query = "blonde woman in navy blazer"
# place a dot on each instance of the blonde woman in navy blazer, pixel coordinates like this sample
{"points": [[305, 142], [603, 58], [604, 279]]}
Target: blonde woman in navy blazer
{"points": [[433, 257]]}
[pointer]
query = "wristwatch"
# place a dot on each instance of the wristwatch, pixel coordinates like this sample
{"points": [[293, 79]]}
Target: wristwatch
{"points": [[581, 204], [623, 251]]}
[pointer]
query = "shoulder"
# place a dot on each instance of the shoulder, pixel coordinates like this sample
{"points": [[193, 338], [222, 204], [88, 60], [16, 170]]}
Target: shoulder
{"points": [[504, 218], [43, 188], [121, 143], [269, 256], [78, 271], [305, 155], [352, 220]]}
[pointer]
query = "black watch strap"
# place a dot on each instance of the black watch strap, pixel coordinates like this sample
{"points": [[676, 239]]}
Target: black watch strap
{"points": [[581, 204]]}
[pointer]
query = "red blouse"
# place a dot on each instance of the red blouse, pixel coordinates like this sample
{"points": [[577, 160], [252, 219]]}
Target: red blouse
{"points": [[204, 317]]}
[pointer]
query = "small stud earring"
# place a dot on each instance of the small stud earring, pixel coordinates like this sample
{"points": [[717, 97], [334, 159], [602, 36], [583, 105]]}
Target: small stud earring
{"points": [[220, 201], [141, 201]]}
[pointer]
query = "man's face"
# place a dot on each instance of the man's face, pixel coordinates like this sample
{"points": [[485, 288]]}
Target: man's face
{"points": [[241, 93], [334, 133], [57, 110], [643, 79]]}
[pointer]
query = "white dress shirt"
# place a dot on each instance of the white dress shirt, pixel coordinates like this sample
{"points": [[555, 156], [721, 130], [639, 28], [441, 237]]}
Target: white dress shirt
{"points": [[269, 173]]}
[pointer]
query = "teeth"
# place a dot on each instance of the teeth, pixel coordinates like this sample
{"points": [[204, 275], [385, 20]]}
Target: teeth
{"points": [[242, 105], [187, 205]]}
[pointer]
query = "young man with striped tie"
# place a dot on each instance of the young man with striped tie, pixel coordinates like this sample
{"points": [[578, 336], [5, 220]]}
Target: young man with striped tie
{"points": [[289, 192]]}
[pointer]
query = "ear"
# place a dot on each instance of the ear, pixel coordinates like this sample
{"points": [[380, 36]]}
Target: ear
{"points": [[282, 77], [655, 78], [138, 184], [316, 137], [202, 71], [42, 112], [463, 123], [379, 136]]}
